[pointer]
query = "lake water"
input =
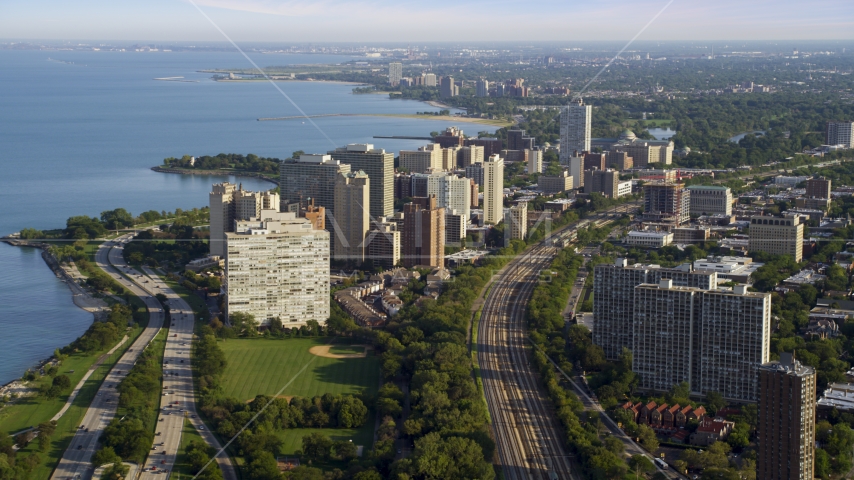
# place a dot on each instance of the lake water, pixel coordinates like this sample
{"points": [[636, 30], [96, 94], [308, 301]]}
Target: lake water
{"points": [[661, 133], [737, 138], [80, 131]]}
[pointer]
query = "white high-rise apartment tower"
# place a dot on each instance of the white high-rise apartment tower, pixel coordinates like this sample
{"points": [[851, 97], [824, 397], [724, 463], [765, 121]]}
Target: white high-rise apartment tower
{"points": [[452, 192], [493, 189], [535, 161], [575, 128], [395, 73], [277, 269], [840, 133]]}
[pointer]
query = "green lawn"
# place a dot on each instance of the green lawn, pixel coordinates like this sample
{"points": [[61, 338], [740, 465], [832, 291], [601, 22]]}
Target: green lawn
{"points": [[347, 350], [68, 423], [34, 410], [263, 366]]}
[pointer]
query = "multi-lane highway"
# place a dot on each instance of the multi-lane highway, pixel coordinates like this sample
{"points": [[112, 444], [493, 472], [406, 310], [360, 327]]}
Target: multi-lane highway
{"points": [[76, 461], [178, 400], [178, 395], [529, 439]]}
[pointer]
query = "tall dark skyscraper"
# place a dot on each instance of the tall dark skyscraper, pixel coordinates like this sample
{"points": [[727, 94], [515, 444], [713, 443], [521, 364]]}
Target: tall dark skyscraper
{"points": [[786, 420]]}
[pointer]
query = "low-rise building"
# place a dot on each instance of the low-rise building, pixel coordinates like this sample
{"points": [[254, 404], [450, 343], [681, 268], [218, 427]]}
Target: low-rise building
{"points": [[822, 204], [690, 235], [734, 269], [550, 184], [559, 204], [822, 328], [649, 239], [209, 261], [837, 396], [711, 430], [465, 256]]}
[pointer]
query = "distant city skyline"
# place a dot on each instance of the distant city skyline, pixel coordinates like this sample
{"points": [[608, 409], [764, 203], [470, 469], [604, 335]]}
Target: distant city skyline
{"points": [[337, 20]]}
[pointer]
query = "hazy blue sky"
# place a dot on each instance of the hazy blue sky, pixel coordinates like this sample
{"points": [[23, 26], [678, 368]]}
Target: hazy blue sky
{"points": [[412, 21]]}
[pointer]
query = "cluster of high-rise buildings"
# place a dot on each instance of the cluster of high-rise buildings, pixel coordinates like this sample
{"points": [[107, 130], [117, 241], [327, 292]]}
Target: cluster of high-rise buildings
{"points": [[598, 172], [680, 326], [514, 87], [339, 206]]}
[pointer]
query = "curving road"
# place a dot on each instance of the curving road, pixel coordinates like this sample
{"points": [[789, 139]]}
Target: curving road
{"points": [[177, 379], [529, 438], [76, 460], [178, 396]]}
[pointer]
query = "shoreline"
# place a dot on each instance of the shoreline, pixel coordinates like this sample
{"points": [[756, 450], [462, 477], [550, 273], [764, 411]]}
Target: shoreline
{"points": [[79, 296], [272, 78], [230, 173]]}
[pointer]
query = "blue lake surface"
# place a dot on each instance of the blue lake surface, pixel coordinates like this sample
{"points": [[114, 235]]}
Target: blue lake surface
{"points": [[80, 130]]}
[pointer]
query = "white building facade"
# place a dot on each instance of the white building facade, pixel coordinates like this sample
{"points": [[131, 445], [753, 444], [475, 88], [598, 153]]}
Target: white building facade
{"points": [[493, 190], [277, 268], [575, 128]]}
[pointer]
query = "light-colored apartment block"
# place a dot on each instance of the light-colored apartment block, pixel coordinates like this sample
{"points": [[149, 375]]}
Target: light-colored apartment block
{"points": [[379, 165], [277, 268], [840, 133], [352, 221], [493, 190], [575, 128], [777, 236], [710, 200], [422, 160], [470, 155], [516, 220], [535, 161], [451, 192], [735, 338], [613, 294], [229, 202], [395, 73], [550, 184], [663, 333]]}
